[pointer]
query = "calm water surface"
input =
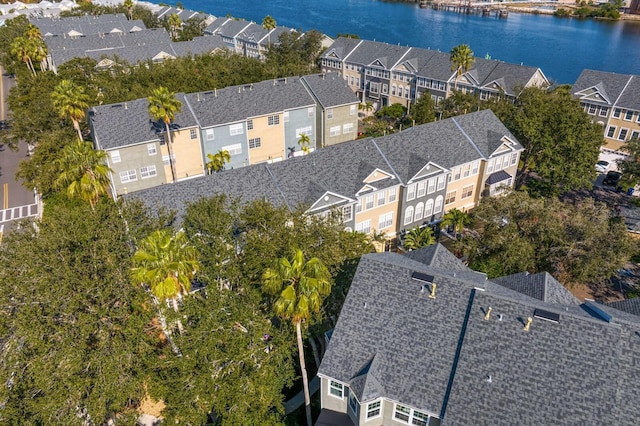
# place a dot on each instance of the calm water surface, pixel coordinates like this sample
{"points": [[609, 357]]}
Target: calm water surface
{"points": [[562, 48]]}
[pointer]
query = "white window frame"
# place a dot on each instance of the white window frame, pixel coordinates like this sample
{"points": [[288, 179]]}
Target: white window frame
{"points": [[338, 387], [592, 109], [411, 192], [385, 220], [635, 134], [209, 135], [353, 403], [437, 207], [147, 172], [467, 191], [347, 128], [622, 136], [234, 149], [603, 111], [152, 149], [421, 189], [347, 213], [418, 212], [514, 159], [329, 113], [441, 183], [431, 186], [129, 176], [381, 198], [256, 142], [611, 131], [285, 116], [372, 407], [236, 129], [411, 415], [428, 208], [273, 120], [475, 167], [308, 130], [364, 226], [466, 170], [193, 133], [457, 172], [352, 108], [490, 164], [617, 112], [408, 215], [450, 197], [249, 124], [392, 194], [368, 202], [628, 117], [310, 112], [334, 131], [115, 156]]}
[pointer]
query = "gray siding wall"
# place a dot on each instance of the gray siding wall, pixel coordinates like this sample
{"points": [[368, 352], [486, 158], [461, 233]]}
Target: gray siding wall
{"points": [[133, 158], [298, 119], [222, 139], [426, 219]]}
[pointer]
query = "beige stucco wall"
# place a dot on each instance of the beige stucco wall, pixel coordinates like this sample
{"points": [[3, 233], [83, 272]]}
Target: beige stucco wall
{"points": [[375, 213], [188, 153], [271, 140], [458, 185], [620, 123]]}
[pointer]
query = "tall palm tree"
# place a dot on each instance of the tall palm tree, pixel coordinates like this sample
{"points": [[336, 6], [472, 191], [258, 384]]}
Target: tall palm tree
{"points": [[458, 219], [300, 288], [174, 25], [304, 141], [268, 23], [462, 59], [217, 161], [129, 5], [419, 237], [166, 263], [24, 50], [85, 173], [71, 101], [163, 106]]}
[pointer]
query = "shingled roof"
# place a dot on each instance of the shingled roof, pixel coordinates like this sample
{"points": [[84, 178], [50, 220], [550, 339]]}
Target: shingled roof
{"points": [[610, 85], [444, 356]]}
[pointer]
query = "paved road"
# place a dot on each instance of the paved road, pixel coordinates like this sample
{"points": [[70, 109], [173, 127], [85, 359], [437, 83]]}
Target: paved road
{"points": [[16, 199]]}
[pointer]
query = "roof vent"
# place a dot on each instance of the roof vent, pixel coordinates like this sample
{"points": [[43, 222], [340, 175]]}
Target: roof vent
{"points": [[419, 276], [593, 307], [528, 324], [546, 315]]}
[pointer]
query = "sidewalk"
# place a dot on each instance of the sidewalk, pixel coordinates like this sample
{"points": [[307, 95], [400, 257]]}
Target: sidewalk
{"points": [[294, 403]]}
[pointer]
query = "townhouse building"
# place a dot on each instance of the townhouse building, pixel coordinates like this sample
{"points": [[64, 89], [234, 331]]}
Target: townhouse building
{"points": [[385, 74], [136, 146], [386, 186], [613, 101], [423, 340]]}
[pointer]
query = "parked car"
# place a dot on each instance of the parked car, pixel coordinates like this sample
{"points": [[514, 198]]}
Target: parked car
{"points": [[602, 166], [612, 178]]}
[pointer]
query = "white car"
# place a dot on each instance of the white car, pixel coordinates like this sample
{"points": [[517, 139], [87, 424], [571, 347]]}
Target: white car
{"points": [[602, 166]]}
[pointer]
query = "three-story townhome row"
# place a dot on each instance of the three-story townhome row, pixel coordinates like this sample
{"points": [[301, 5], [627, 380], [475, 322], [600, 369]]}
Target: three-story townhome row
{"points": [[385, 74], [613, 101], [385, 186]]}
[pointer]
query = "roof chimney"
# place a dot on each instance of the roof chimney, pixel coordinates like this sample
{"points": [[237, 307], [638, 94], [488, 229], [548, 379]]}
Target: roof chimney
{"points": [[528, 324], [433, 291], [487, 316]]}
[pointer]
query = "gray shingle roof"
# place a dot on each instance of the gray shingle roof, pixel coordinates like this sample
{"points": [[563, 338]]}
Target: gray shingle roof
{"points": [[231, 104], [611, 84], [631, 306], [443, 357], [541, 286], [630, 97], [369, 52], [486, 131], [86, 25], [342, 46], [330, 90]]}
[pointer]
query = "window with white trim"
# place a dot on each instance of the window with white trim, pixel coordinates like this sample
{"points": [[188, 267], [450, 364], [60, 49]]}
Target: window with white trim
{"points": [[286, 116], [353, 403], [467, 192], [381, 198], [450, 197], [392, 194], [347, 128], [428, 208], [236, 129], [410, 415], [408, 215], [400, 412], [431, 187], [385, 220], [418, 212], [422, 189], [611, 131], [152, 149], [635, 134], [437, 208], [411, 192], [466, 170], [209, 135], [604, 111], [249, 124], [364, 227], [474, 168], [368, 202], [128, 176], [514, 158], [334, 131], [352, 109], [347, 213], [456, 173], [115, 156], [498, 165], [592, 109], [193, 133], [374, 409], [441, 183], [310, 112], [234, 149], [628, 115], [165, 160], [148, 171], [617, 112], [308, 130], [329, 113], [336, 389], [623, 134], [254, 143], [273, 120], [490, 165]]}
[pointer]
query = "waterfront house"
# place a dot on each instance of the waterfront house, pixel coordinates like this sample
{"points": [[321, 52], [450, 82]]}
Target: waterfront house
{"points": [[423, 340], [385, 74], [613, 101]]}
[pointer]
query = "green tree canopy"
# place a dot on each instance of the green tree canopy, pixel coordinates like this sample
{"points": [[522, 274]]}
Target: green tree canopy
{"points": [[217, 161], [462, 59], [163, 107], [456, 218], [419, 237], [423, 111], [70, 101]]}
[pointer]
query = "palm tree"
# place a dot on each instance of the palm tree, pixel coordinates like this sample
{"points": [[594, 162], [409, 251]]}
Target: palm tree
{"points": [[129, 5], [268, 23], [300, 288], [304, 141], [419, 237], [24, 50], [174, 24], [70, 101], [163, 106], [166, 263], [217, 161], [365, 106], [458, 219], [461, 57], [85, 174]]}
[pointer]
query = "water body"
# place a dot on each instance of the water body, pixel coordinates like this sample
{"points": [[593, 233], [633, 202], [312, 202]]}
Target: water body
{"points": [[561, 47]]}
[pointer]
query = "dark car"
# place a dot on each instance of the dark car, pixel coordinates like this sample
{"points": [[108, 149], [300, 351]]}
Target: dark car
{"points": [[612, 178]]}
